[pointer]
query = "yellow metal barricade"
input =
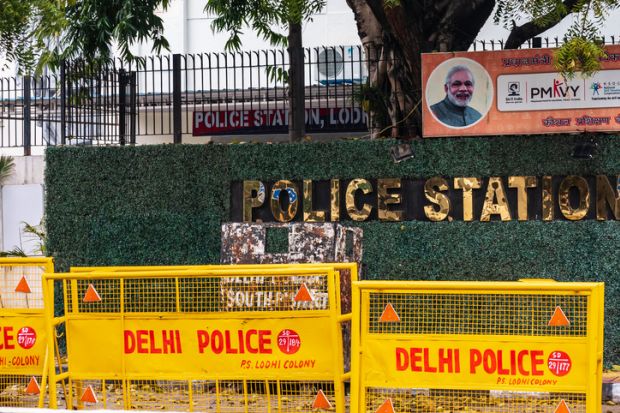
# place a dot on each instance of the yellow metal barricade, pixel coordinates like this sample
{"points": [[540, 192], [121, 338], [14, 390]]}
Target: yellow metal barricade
{"points": [[531, 346], [23, 340], [223, 339]]}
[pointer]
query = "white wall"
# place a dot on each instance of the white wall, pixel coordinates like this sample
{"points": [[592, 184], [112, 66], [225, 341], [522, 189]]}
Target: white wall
{"points": [[28, 170], [21, 204], [21, 200]]}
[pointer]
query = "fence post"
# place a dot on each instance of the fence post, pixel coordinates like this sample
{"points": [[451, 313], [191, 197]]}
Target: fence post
{"points": [[27, 116], [63, 103], [296, 127], [176, 98], [133, 110], [122, 105]]}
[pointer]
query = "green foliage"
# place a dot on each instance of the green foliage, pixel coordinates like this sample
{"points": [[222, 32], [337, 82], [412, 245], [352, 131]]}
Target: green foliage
{"points": [[510, 12], [15, 15], [15, 252], [581, 51], [264, 17], [373, 100], [165, 204], [7, 164], [43, 32], [578, 54], [391, 3], [93, 27], [37, 232], [277, 74]]}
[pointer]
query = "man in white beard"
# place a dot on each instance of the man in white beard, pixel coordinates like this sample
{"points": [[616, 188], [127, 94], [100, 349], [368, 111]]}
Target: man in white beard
{"points": [[453, 110]]}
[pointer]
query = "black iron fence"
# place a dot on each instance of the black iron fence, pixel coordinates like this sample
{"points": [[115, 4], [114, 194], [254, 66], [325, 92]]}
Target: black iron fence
{"points": [[74, 106], [161, 95], [537, 42], [193, 94], [217, 87]]}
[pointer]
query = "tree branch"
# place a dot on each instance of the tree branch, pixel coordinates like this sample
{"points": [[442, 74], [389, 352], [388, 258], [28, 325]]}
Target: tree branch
{"points": [[520, 34]]}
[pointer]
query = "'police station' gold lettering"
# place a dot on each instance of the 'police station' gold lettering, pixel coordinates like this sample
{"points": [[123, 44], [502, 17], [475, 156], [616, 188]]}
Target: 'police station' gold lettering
{"points": [[490, 199], [432, 189]]}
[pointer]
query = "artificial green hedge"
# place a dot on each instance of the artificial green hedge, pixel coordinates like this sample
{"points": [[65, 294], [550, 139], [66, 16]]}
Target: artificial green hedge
{"points": [[164, 204]]}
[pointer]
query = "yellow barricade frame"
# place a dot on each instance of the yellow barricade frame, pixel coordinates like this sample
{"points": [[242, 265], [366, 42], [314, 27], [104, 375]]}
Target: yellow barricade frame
{"points": [[333, 313], [34, 311], [410, 369]]}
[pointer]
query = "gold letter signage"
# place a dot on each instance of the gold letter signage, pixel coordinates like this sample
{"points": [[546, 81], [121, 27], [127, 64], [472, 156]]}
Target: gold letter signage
{"points": [[433, 199]]}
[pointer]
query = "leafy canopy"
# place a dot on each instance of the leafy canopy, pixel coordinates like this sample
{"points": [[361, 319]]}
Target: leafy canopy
{"points": [[264, 17], [582, 48], [47, 31], [44, 32], [17, 18]]}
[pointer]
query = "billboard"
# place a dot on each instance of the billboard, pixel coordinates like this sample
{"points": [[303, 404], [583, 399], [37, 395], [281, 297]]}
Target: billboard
{"points": [[515, 92]]}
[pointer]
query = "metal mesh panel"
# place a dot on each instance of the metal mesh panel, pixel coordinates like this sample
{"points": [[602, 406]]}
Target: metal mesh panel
{"points": [[204, 395], [200, 294], [481, 314], [262, 396], [10, 278], [108, 393], [299, 396], [149, 295], [226, 396], [109, 290], [189, 295], [258, 293], [159, 395], [232, 396], [13, 391], [21, 289], [426, 401]]}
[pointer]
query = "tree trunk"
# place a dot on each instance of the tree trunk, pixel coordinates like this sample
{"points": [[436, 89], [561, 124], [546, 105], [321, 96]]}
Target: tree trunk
{"points": [[521, 34], [394, 38], [296, 90]]}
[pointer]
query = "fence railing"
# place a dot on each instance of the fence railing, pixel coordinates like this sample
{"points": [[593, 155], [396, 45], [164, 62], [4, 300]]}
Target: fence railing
{"points": [[161, 95], [536, 42], [56, 108]]}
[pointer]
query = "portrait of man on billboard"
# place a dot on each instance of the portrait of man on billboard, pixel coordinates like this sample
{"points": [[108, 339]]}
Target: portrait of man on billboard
{"points": [[454, 109]]}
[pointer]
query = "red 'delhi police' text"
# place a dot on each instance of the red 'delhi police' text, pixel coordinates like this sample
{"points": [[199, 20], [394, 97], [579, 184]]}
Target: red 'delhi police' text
{"points": [[216, 341], [480, 361]]}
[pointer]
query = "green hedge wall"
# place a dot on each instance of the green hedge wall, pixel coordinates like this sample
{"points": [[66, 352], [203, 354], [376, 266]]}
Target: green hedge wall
{"points": [[164, 204]]}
